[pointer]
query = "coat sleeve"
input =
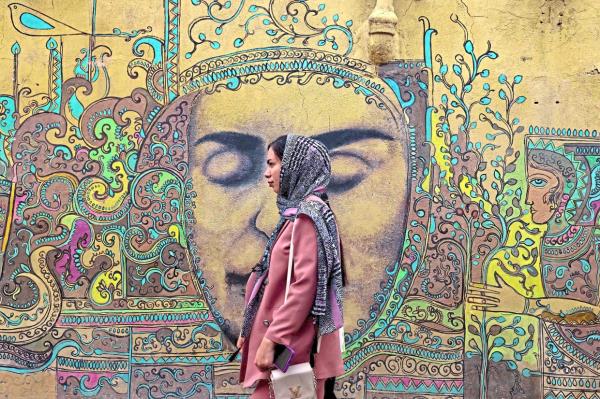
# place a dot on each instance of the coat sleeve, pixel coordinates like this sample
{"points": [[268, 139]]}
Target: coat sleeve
{"points": [[290, 317]]}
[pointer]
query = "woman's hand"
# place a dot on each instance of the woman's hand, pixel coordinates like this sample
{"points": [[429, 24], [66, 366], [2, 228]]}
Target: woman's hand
{"points": [[265, 355], [240, 343], [495, 298]]}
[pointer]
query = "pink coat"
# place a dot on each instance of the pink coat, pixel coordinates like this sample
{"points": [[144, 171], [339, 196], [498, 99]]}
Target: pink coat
{"points": [[291, 324]]}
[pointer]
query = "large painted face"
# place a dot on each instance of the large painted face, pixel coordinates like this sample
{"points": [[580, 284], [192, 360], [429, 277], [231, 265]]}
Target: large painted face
{"points": [[236, 211], [541, 193]]}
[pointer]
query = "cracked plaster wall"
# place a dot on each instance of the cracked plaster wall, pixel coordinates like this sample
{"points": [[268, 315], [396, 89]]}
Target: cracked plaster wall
{"points": [[552, 43]]}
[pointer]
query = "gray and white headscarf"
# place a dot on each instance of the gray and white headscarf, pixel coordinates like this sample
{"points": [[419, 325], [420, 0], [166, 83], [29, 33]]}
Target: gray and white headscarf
{"points": [[306, 172]]}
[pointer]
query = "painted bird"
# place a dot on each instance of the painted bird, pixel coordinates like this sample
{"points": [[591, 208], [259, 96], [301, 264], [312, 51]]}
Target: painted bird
{"points": [[34, 23]]}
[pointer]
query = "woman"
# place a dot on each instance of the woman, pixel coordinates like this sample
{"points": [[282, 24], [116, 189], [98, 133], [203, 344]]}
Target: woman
{"points": [[310, 321]]}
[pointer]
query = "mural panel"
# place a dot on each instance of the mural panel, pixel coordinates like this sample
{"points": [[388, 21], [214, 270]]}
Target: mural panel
{"points": [[130, 222]]}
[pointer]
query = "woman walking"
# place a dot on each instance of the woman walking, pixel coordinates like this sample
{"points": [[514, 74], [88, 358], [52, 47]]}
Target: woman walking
{"points": [[309, 322]]}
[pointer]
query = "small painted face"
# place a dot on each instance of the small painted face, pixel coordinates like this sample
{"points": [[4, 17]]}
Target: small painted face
{"points": [[541, 185], [273, 172]]}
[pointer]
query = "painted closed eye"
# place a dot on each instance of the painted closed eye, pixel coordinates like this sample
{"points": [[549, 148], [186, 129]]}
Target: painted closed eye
{"points": [[228, 168], [352, 165], [349, 170], [538, 182], [232, 159]]}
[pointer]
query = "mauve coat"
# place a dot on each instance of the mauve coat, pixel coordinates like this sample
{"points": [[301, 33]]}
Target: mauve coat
{"points": [[290, 324]]}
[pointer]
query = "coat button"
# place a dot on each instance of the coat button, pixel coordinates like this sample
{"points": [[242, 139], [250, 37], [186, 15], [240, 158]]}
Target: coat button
{"points": [[266, 323]]}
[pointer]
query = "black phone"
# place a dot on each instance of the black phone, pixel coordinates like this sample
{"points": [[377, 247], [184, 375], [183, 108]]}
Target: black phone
{"points": [[283, 357], [233, 355]]}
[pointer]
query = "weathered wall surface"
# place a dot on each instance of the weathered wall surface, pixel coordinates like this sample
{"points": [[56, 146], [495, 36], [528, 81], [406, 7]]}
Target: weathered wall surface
{"points": [[465, 163]]}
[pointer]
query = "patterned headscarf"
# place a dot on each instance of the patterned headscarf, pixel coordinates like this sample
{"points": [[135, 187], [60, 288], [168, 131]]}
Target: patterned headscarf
{"points": [[306, 172]]}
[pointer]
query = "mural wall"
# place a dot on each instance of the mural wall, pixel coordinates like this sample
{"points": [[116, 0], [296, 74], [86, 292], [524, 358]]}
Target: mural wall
{"points": [[132, 207]]}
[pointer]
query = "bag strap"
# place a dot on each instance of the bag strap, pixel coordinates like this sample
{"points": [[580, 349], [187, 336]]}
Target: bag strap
{"points": [[289, 281], [290, 266]]}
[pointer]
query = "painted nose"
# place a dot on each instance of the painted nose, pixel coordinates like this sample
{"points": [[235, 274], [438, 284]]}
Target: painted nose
{"points": [[528, 201], [264, 220]]}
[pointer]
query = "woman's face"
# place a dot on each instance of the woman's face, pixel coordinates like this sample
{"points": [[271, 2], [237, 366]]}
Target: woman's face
{"points": [[273, 171], [236, 212], [541, 185]]}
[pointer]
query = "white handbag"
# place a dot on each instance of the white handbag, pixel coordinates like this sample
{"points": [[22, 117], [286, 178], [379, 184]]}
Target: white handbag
{"points": [[298, 382]]}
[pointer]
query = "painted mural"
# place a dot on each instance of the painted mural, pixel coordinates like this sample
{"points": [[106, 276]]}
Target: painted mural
{"points": [[130, 222]]}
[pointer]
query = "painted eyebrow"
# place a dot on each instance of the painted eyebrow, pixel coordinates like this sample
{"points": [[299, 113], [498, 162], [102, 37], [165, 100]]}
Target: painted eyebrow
{"points": [[332, 139], [338, 138], [233, 139]]}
